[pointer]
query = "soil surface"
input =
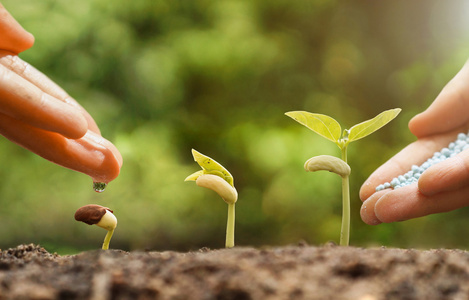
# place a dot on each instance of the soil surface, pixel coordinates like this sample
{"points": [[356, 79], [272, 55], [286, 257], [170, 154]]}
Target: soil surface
{"points": [[290, 272]]}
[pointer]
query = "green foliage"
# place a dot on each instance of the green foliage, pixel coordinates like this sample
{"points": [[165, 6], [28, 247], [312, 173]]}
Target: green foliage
{"points": [[330, 129], [363, 129], [162, 77], [209, 166], [323, 125]]}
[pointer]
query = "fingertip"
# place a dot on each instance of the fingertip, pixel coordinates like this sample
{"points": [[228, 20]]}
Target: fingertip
{"points": [[111, 164], [426, 183], [419, 124], [415, 124], [445, 176], [383, 210], [398, 205], [367, 214], [20, 38], [14, 37], [116, 153], [367, 211], [70, 123], [366, 191], [27, 42], [91, 122], [379, 177]]}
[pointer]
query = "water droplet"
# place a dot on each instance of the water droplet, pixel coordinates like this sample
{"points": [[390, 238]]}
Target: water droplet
{"points": [[99, 187]]}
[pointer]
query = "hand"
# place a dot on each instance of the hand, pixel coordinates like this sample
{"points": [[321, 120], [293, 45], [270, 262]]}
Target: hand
{"points": [[441, 188], [38, 115]]}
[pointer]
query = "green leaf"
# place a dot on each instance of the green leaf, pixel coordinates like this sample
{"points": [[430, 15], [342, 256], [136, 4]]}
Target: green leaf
{"points": [[210, 166], [194, 176], [321, 124], [368, 127]]}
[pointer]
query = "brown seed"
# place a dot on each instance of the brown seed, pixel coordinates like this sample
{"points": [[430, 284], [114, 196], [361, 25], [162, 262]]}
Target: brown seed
{"points": [[91, 213]]}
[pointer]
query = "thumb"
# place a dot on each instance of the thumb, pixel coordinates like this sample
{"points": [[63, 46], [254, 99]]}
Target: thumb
{"points": [[13, 37], [448, 111], [448, 175]]}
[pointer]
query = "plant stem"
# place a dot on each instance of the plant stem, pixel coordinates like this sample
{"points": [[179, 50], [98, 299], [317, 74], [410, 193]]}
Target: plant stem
{"points": [[345, 230], [107, 239], [230, 226]]}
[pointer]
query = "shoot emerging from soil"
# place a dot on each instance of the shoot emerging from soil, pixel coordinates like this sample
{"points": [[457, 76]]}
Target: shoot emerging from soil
{"points": [[330, 129], [100, 216], [215, 177]]}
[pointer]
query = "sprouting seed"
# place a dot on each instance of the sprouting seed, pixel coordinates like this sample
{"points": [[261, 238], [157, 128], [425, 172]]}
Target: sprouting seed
{"points": [[215, 177], [101, 216]]}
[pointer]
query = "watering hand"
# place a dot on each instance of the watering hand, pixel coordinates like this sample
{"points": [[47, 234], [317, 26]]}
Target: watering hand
{"points": [[441, 188], [40, 116]]}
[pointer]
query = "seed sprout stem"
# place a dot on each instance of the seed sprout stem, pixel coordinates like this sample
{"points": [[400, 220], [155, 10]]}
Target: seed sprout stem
{"points": [[230, 226], [330, 129], [215, 177], [107, 239], [345, 229]]}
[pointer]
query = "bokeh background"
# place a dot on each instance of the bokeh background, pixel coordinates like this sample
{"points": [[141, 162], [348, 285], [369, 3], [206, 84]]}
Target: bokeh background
{"points": [[164, 76]]}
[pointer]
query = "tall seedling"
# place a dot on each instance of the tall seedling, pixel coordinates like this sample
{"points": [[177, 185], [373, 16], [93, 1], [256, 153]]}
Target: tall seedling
{"points": [[330, 129]]}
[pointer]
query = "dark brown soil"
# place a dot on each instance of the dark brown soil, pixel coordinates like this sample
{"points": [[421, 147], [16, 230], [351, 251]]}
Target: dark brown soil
{"points": [[291, 272]]}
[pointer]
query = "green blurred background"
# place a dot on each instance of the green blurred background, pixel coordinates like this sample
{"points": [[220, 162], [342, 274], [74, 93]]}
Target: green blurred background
{"points": [[162, 77]]}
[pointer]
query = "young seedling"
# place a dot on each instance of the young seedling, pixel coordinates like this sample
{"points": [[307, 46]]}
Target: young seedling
{"points": [[330, 129], [215, 177], [101, 216]]}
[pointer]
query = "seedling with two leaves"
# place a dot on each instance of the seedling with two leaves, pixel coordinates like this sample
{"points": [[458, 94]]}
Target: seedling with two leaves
{"points": [[330, 129]]}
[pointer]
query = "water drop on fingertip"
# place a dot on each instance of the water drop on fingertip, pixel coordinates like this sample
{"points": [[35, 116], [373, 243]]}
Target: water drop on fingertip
{"points": [[99, 187]]}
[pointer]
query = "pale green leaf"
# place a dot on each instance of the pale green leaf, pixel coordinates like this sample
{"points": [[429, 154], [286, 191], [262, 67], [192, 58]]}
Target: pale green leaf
{"points": [[194, 176], [210, 166], [368, 127], [321, 124]]}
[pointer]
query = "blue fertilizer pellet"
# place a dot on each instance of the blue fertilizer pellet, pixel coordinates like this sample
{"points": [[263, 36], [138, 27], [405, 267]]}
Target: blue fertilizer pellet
{"points": [[413, 175]]}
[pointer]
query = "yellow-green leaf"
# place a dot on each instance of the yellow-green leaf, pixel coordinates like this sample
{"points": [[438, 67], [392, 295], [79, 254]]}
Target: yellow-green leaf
{"points": [[368, 127], [194, 176], [210, 166], [323, 125]]}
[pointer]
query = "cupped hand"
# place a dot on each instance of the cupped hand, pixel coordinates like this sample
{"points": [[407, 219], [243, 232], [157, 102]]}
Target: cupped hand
{"points": [[40, 116], [442, 187]]}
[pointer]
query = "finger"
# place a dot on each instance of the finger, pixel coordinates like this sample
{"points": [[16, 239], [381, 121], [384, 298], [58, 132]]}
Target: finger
{"points": [[407, 203], [414, 154], [37, 78], [13, 37], [22, 100], [367, 211], [450, 174], [448, 111], [89, 119], [92, 154]]}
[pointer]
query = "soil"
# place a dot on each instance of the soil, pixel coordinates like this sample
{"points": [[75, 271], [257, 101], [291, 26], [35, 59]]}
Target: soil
{"points": [[290, 272]]}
